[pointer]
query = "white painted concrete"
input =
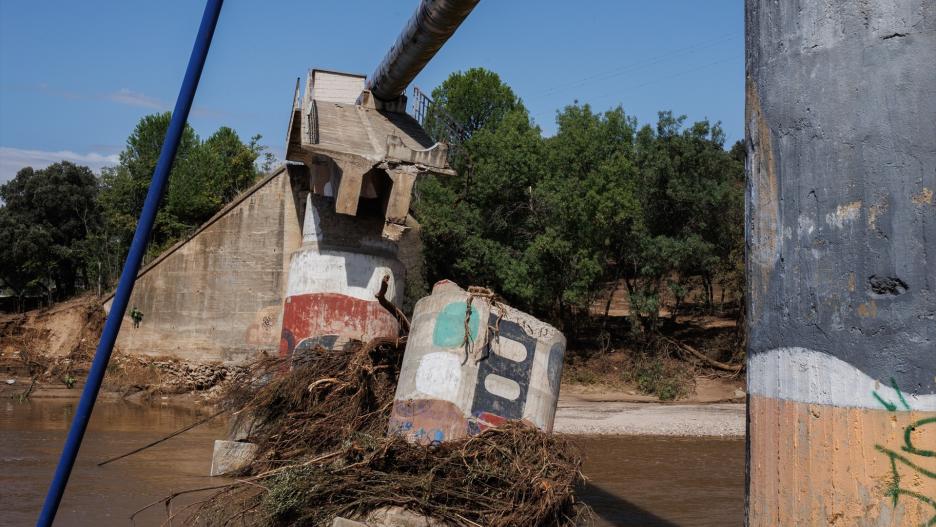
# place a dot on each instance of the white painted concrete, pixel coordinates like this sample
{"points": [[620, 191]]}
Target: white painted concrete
{"points": [[439, 368], [351, 274], [336, 87], [438, 376], [808, 376]]}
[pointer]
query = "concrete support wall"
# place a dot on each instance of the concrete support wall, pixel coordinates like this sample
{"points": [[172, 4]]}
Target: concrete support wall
{"points": [[336, 273], [841, 231], [218, 296]]}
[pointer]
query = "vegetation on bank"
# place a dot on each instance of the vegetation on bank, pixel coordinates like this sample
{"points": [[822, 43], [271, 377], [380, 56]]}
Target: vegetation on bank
{"points": [[560, 226], [549, 222], [606, 208], [65, 229]]}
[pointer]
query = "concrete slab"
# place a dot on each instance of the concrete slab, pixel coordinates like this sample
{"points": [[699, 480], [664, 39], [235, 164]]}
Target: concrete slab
{"points": [[344, 522], [231, 456]]}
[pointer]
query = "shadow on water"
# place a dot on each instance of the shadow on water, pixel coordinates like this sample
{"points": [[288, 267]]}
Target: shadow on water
{"points": [[663, 481], [617, 511]]}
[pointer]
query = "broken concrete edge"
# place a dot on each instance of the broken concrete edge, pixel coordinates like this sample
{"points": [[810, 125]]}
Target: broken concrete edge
{"points": [[231, 456], [390, 517], [211, 221], [352, 143], [352, 171], [507, 368]]}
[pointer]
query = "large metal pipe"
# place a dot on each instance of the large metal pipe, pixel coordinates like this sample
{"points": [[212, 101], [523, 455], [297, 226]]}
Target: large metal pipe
{"points": [[430, 27]]}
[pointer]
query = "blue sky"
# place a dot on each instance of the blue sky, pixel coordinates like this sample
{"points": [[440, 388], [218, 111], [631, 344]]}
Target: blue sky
{"points": [[75, 77]]}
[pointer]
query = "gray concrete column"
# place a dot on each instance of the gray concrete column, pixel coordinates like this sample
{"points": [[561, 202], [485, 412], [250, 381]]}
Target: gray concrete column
{"points": [[841, 233]]}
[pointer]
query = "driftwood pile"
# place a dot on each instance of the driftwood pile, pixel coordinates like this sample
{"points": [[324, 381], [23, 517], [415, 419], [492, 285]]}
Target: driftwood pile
{"points": [[320, 423]]}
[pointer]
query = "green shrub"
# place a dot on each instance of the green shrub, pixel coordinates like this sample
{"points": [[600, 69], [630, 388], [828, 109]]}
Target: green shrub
{"points": [[661, 376]]}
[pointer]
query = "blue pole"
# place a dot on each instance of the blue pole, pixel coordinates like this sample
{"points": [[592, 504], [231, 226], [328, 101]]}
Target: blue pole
{"points": [[132, 265]]}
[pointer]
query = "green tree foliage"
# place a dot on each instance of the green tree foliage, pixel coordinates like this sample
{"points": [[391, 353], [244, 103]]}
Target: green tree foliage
{"points": [[206, 175], [62, 228], [474, 99], [45, 220], [549, 222], [473, 225]]}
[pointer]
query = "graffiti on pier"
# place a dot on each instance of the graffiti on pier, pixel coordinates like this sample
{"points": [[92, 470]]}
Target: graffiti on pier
{"points": [[903, 458], [331, 320], [470, 367], [503, 382], [888, 404]]}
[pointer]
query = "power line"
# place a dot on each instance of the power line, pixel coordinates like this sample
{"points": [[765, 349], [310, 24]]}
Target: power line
{"points": [[660, 79], [614, 72]]}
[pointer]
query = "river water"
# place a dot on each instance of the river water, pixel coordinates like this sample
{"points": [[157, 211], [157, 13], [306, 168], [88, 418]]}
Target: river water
{"points": [[633, 480]]}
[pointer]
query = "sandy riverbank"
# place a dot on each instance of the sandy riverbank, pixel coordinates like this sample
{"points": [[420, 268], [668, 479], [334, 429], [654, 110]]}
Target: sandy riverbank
{"points": [[576, 415]]}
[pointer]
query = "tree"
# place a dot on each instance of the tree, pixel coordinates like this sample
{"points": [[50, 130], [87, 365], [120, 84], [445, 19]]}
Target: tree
{"points": [[692, 194], [46, 217], [473, 224], [124, 188], [549, 223], [474, 99], [63, 229], [205, 176], [587, 213]]}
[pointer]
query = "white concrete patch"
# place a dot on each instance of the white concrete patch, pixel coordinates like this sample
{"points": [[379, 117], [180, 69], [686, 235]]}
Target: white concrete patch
{"points": [[844, 214], [809, 376], [805, 226], [510, 349], [439, 375], [502, 387], [311, 224], [351, 274], [231, 456]]}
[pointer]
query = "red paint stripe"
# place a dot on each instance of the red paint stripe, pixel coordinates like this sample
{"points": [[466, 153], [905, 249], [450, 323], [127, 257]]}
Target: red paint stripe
{"points": [[323, 314]]}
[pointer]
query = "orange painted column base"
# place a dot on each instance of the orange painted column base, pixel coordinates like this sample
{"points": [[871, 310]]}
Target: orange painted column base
{"points": [[824, 465]]}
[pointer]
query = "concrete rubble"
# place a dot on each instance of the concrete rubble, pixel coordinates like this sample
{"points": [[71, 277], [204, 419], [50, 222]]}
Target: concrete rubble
{"points": [[231, 456], [390, 517]]}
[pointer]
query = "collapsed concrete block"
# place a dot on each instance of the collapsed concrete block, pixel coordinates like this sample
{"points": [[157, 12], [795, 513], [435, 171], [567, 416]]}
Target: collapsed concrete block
{"points": [[344, 522], [400, 517], [390, 517], [452, 385], [231, 456]]}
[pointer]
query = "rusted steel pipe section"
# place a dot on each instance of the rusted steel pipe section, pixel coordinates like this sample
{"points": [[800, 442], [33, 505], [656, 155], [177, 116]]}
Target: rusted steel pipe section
{"points": [[841, 233], [431, 25]]}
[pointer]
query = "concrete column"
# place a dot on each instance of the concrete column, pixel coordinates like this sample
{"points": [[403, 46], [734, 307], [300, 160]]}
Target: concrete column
{"points": [[333, 278], [841, 233]]}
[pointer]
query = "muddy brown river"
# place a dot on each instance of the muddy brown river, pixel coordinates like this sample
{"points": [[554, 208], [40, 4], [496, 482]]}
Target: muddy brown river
{"points": [[633, 480]]}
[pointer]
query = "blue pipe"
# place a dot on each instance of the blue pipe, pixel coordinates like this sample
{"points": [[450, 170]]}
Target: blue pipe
{"points": [[132, 265]]}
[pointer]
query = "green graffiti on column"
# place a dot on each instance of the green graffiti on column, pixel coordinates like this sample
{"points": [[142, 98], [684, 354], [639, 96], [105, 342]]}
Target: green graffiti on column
{"points": [[889, 405], [894, 490]]}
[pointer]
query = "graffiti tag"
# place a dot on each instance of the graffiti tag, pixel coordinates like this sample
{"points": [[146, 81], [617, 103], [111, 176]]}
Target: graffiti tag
{"points": [[894, 490]]}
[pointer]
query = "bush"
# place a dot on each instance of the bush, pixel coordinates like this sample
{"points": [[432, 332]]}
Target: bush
{"points": [[661, 376]]}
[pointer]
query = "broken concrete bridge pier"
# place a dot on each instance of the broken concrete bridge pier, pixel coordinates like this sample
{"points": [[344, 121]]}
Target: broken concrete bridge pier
{"points": [[471, 363]]}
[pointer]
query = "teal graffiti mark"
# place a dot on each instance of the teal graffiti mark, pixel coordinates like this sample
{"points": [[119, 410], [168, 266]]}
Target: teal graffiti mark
{"points": [[894, 490], [889, 405], [449, 329], [886, 404], [908, 444]]}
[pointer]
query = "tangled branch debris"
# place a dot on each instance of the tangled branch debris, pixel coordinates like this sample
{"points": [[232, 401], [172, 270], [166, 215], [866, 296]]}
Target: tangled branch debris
{"points": [[682, 346], [320, 424]]}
